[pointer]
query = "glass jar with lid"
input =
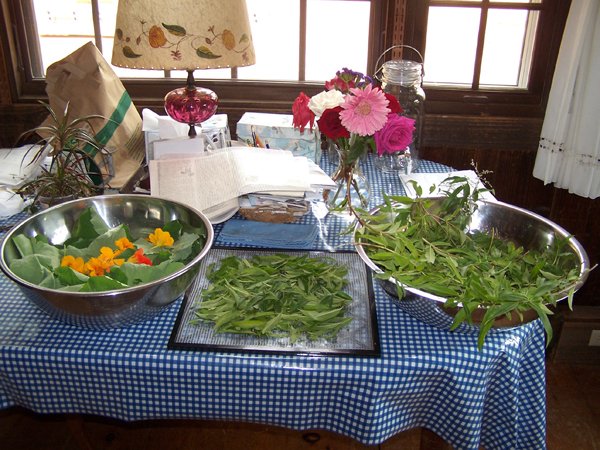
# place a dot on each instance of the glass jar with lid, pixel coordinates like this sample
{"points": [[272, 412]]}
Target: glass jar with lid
{"points": [[404, 80]]}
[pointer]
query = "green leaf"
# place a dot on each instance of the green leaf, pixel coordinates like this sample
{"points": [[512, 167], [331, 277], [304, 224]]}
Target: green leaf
{"points": [[106, 239], [32, 268], [175, 228], [175, 30], [129, 53], [23, 244], [102, 283], [136, 274], [69, 277], [276, 295], [182, 249], [432, 249], [88, 226], [206, 53]]}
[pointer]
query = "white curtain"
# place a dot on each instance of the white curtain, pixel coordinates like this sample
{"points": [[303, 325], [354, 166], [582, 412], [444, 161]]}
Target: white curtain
{"points": [[569, 149]]}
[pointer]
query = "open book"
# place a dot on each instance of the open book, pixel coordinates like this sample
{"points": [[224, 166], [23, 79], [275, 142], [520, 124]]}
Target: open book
{"points": [[213, 181]]}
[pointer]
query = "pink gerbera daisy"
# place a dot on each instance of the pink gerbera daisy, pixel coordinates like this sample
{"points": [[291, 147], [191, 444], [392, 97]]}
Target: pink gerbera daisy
{"points": [[365, 111]]}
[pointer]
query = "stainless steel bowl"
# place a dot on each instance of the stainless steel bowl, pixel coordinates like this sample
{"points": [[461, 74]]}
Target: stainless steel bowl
{"points": [[116, 308], [519, 225]]}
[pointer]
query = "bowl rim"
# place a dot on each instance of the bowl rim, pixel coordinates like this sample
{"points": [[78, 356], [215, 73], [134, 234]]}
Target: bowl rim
{"points": [[113, 292], [575, 244]]}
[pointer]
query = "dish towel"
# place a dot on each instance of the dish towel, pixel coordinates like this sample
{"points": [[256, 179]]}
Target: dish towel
{"points": [[267, 234]]}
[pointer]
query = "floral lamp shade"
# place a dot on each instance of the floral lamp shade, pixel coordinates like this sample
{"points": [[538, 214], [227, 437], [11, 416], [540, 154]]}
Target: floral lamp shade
{"points": [[188, 35], [182, 34]]}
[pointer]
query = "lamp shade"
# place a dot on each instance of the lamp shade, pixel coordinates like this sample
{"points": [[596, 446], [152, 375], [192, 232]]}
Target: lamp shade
{"points": [[182, 34]]}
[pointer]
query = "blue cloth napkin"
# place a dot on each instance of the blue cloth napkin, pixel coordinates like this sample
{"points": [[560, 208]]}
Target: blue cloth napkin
{"points": [[267, 234]]}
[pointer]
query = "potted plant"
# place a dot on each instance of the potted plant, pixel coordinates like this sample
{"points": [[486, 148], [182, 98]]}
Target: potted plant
{"points": [[72, 172]]}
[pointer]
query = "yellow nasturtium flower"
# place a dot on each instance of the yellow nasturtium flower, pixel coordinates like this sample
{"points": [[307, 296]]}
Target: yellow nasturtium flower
{"points": [[161, 238], [123, 244], [100, 265], [76, 264]]}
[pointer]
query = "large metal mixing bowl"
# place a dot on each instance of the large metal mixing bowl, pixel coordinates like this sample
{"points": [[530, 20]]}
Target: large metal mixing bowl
{"points": [[116, 308], [523, 227]]}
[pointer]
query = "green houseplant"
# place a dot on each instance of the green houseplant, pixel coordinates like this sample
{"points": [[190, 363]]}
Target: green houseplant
{"points": [[72, 173]]}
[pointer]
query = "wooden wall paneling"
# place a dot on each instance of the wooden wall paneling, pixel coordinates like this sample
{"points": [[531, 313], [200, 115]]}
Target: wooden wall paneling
{"points": [[571, 212], [16, 119], [5, 97], [513, 175], [538, 197]]}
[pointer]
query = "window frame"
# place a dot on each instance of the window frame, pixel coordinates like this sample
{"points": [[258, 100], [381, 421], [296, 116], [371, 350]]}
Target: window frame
{"points": [[486, 101], [393, 21], [148, 92]]}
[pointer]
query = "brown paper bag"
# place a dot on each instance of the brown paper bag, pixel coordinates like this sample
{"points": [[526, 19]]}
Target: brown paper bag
{"points": [[87, 81]]}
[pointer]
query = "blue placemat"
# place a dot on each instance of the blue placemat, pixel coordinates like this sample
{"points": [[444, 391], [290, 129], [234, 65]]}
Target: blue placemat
{"points": [[268, 235]]}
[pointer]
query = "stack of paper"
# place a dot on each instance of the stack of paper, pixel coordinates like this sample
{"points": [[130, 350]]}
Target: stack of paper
{"points": [[433, 185], [213, 182]]}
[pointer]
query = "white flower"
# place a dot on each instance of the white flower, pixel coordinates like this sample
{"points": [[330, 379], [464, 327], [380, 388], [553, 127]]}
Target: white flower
{"points": [[325, 100]]}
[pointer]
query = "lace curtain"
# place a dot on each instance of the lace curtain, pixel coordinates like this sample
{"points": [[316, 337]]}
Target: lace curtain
{"points": [[569, 151]]}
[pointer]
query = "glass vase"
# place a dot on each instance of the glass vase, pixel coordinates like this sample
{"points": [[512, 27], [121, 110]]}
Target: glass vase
{"points": [[352, 188], [397, 162]]}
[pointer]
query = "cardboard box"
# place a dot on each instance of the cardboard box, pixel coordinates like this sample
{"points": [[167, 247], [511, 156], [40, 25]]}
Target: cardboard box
{"points": [[277, 131]]}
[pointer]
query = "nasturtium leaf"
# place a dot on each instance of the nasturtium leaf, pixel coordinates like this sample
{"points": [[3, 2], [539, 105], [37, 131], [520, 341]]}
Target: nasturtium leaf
{"points": [[32, 268], [69, 277], [102, 283], [88, 226], [23, 244]]}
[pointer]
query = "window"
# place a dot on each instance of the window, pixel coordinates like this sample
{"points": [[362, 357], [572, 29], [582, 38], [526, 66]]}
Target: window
{"points": [[495, 43], [488, 56], [63, 26], [482, 57]]}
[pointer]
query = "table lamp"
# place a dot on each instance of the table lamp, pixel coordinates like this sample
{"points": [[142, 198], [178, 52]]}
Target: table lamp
{"points": [[184, 35]]}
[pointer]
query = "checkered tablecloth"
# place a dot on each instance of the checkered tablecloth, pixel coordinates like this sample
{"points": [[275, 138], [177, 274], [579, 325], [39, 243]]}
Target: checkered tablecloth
{"points": [[426, 376]]}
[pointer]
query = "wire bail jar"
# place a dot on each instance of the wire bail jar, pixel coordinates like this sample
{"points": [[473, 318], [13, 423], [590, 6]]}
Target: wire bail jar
{"points": [[404, 80]]}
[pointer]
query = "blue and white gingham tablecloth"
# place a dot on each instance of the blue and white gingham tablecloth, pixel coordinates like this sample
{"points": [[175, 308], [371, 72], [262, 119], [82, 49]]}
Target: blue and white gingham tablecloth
{"points": [[425, 377]]}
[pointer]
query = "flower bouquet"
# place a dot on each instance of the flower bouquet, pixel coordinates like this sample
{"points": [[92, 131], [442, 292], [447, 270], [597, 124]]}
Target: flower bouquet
{"points": [[357, 117]]}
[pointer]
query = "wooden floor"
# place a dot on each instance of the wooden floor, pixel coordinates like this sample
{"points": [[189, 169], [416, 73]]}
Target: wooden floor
{"points": [[573, 408]]}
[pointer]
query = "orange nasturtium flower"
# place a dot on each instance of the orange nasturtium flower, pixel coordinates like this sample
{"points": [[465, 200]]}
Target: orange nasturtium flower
{"points": [[139, 258], [102, 264], [161, 238], [76, 264], [123, 244]]}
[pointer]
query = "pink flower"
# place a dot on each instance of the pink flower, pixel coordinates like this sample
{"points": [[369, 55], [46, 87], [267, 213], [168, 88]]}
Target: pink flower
{"points": [[302, 114], [395, 136], [364, 111]]}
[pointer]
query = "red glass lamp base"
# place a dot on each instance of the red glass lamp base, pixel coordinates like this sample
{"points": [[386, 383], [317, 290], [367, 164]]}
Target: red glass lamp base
{"points": [[191, 105]]}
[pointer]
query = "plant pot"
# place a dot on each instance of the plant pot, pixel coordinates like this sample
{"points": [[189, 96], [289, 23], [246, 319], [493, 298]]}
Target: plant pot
{"points": [[43, 202]]}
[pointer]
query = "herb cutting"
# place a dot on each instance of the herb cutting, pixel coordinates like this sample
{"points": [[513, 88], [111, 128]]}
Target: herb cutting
{"points": [[425, 243], [277, 295]]}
